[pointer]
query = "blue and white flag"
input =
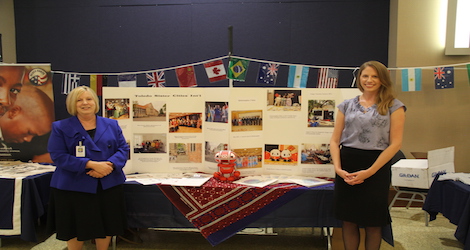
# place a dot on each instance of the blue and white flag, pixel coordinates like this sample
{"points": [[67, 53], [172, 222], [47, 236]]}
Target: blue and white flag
{"points": [[411, 79], [129, 80], [444, 77], [298, 76], [10, 206], [268, 73], [70, 82]]}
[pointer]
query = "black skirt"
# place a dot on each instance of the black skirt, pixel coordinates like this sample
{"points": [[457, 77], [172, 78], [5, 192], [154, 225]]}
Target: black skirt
{"points": [[87, 216], [365, 204]]}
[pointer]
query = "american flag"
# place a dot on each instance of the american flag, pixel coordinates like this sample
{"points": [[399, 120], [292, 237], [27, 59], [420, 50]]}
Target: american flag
{"points": [[70, 82], [444, 77], [156, 79], [327, 78]]}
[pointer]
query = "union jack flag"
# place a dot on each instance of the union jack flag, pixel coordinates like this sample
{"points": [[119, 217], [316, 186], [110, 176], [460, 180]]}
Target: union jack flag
{"points": [[156, 79], [268, 73], [444, 77]]}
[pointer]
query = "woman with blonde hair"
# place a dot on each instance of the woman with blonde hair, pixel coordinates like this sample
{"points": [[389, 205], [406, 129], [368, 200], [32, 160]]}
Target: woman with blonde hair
{"points": [[89, 151], [368, 133]]}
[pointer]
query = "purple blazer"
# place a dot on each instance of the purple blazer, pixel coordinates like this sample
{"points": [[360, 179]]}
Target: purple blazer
{"points": [[108, 145]]}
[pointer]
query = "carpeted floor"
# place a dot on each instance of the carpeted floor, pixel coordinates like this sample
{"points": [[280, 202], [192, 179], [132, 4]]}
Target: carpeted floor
{"points": [[409, 230]]}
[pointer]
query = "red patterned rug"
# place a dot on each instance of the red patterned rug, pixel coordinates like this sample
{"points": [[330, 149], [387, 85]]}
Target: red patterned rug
{"points": [[219, 210]]}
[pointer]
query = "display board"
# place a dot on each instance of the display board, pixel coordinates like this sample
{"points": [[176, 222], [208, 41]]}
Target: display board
{"points": [[26, 112], [272, 130]]}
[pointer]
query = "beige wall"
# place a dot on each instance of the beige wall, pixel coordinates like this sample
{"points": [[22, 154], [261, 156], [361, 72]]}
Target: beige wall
{"points": [[7, 29], [435, 118]]}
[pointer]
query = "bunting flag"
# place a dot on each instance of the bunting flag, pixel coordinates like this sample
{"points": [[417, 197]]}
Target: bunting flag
{"points": [[267, 73], [444, 77], [298, 76], [70, 82], [411, 79], [156, 79], [327, 78], [237, 69], [186, 76], [97, 82], [128, 80], [215, 71]]}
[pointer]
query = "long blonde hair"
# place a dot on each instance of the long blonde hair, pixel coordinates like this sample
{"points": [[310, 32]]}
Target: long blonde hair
{"points": [[386, 92]]}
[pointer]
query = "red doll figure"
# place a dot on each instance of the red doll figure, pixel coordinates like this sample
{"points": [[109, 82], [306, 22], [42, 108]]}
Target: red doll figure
{"points": [[227, 170]]}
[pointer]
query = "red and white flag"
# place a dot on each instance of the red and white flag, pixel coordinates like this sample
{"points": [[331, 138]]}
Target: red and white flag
{"points": [[215, 71]]}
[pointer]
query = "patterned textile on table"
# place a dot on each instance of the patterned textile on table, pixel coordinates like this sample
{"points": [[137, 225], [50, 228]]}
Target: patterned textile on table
{"points": [[219, 210]]}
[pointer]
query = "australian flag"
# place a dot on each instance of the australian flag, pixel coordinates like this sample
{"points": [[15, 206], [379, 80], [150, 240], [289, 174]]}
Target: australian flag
{"points": [[268, 73], [444, 77]]}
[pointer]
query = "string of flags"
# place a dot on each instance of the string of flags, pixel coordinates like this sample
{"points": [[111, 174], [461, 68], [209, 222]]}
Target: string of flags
{"points": [[328, 76]]}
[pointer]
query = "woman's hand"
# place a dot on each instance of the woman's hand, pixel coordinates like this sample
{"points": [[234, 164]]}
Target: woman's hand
{"points": [[100, 168], [357, 177], [94, 174], [344, 174]]}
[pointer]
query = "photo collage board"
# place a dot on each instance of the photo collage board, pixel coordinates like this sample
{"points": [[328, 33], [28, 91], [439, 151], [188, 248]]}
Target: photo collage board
{"points": [[272, 130]]}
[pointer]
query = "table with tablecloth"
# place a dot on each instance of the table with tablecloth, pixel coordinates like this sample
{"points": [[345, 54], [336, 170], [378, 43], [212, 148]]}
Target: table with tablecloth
{"points": [[452, 199], [23, 202], [220, 210]]}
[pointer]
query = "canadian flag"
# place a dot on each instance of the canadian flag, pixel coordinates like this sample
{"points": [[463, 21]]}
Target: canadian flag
{"points": [[215, 71]]}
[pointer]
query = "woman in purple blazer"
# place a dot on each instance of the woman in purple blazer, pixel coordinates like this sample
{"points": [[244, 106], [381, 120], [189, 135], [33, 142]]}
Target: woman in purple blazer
{"points": [[87, 200]]}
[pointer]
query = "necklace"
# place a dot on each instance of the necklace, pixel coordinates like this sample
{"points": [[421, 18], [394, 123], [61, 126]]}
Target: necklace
{"points": [[365, 103]]}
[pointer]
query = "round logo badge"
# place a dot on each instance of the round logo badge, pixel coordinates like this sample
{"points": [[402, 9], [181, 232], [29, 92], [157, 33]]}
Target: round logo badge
{"points": [[38, 76]]}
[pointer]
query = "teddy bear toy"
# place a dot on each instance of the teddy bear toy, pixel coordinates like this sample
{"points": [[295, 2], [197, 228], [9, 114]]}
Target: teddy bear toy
{"points": [[226, 163]]}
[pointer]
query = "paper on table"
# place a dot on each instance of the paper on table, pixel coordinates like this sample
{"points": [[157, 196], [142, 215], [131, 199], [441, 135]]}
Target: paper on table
{"points": [[256, 181], [18, 169], [186, 182], [175, 179], [309, 181]]}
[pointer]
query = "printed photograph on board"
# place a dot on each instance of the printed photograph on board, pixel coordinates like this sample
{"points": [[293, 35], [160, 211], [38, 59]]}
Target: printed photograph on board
{"points": [[185, 152], [146, 109], [284, 100], [247, 120], [280, 154], [315, 153], [321, 113], [26, 112], [185, 123], [217, 112], [212, 148], [117, 109], [150, 143], [248, 158]]}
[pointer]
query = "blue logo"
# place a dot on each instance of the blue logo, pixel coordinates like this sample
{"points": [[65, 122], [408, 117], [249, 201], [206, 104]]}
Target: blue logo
{"points": [[409, 175], [438, 172]]}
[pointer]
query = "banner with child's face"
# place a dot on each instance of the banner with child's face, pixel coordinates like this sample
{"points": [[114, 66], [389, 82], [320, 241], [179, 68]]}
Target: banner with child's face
{"points": [[26, 111]]}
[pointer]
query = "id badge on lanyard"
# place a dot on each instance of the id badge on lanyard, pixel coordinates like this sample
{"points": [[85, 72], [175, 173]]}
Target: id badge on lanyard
{"points": [[80, 150]]}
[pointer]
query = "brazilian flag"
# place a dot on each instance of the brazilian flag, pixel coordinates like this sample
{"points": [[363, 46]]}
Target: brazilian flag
{"points": [[237, 69]]}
